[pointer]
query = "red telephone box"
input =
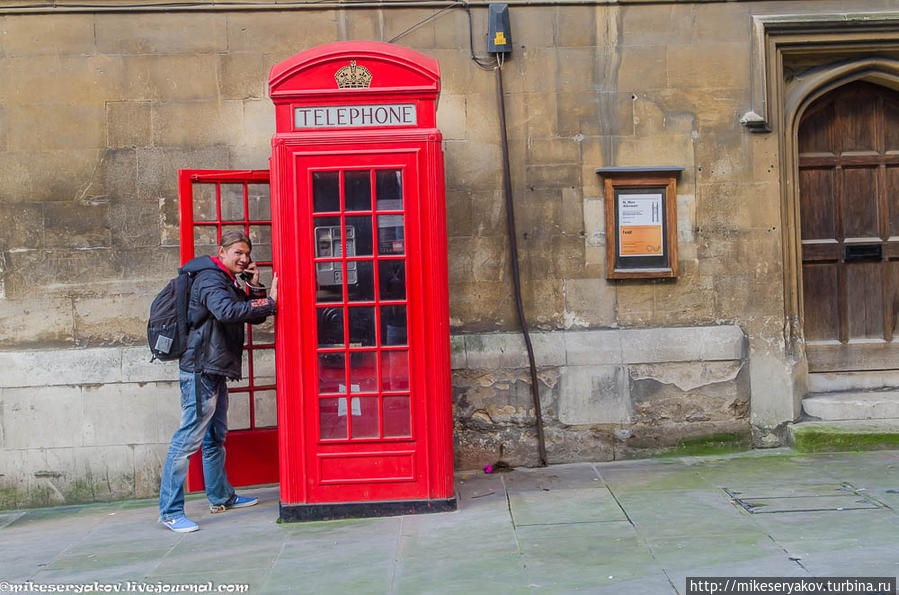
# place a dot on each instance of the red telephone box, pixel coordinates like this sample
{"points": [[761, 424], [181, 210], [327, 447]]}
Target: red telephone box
{"points": [[359, 237]]}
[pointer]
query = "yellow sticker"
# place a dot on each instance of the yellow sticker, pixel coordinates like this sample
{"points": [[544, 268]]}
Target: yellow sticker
{"points": [[500, 39]]}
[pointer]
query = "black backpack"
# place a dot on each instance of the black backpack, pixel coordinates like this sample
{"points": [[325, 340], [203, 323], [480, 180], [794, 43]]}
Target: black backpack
{"points": [[168, 327]]}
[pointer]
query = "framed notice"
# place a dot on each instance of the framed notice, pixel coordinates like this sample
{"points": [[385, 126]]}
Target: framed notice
{"points": [[641, 222]]}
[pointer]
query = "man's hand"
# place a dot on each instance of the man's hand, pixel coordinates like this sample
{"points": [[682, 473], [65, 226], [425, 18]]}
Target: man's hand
{"points": [[273, 292], [253, 271]]}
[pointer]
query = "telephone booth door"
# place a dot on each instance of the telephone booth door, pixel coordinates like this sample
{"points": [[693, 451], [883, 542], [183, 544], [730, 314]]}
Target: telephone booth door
{"points": [[359, 227], [211, 202]]}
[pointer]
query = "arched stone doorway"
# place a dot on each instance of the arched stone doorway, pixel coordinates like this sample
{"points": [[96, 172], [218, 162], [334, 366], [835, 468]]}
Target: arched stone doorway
{"points": [[848, 166]]}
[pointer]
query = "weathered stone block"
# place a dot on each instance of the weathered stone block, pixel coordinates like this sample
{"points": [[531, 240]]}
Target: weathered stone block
{"points": [[575, 69], [63, 126], [176, 77], [532, 28], [451, 117], [576, 25], [643, 68], [488, 258], [60, 176], [160, 33], [56, 271], [639, 151], [491, 352], [128, 124], [544, 304], [594, 395], [644, 25], [585, 348], [117, 413], [137, 367], [22, 225], [572, 211], [36, 322], [589, 303], [689, 65], [481, 307], [689, 392], [582, 113], [102, 473], [553, 150], [242, 75], [115, 319], [473, 164], [284, 34], [197, 123], [168, 408], [458, 356], [60, 367], [73, 225], [29, 35], [148, 462], [49, 416]]}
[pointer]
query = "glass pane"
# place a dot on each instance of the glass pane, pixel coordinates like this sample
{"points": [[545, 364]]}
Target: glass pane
{"points": [[260, 202], [358, 233], [330, 327], [393, 325], [204, 202], [238, 411], [263, 367], [364, 372], [357, 190], [244, 372], [362, 326], [205, 239], [266, 409], [363, 290], [394, 371], [391, 236], [328, 238], [392, 279], [264, 333], [329, 244], [397, 417], [232, 202], [389, 189], [325, 192], [261, 236], [331, 376], [365, 417], [332, 418]]}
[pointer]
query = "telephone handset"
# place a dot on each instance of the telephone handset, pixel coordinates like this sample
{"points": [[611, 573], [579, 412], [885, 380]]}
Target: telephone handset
{"points": [[245, 276]]}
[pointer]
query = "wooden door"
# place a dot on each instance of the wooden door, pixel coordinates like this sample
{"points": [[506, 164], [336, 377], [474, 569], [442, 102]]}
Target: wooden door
{"points": [[849, 210]]}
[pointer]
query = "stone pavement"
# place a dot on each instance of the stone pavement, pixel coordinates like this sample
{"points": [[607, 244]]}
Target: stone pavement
{"points": [[621, 527]]}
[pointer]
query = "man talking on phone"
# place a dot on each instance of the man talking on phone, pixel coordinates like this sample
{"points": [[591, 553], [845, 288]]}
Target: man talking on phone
{"points": [[219, 308]]}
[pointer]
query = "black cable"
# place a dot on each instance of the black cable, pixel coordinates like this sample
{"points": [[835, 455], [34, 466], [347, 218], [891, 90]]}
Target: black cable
{"points": [[516, 277], [423, 21], [484, 64]]}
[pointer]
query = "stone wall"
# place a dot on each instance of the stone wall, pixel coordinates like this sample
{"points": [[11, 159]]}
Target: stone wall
{"points": [[98, 111]]}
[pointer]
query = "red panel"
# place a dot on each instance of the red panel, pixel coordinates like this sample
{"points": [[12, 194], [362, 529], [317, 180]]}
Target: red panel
{"points": [[252, 459], [367, 467]]}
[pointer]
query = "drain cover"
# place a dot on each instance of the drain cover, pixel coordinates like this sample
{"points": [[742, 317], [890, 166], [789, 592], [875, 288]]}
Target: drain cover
{"points": [[801, 498]]}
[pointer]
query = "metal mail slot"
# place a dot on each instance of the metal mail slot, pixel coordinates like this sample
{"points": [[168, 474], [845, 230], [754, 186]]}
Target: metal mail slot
{"points": [[864, 252]]}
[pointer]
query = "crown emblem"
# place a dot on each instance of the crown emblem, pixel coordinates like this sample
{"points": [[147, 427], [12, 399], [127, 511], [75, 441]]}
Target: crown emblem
{"points": [[353, 77]]}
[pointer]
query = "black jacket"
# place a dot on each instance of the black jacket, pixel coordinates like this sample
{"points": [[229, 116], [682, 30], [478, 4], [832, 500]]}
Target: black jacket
{"points": [[218, 311]]}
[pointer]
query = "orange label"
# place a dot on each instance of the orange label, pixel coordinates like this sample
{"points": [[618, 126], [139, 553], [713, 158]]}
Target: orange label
{"points": [[641, 240]]}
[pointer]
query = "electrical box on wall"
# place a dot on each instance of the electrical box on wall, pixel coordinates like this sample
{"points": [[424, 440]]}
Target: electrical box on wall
{"points": [[499, 37]]}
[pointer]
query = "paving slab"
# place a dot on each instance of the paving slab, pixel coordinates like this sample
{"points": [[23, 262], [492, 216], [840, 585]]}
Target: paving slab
{"points": [[620, 527]]}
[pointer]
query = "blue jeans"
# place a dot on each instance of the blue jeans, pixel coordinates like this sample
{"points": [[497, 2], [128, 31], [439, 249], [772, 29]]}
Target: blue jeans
{"points": [[207, 429]]}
